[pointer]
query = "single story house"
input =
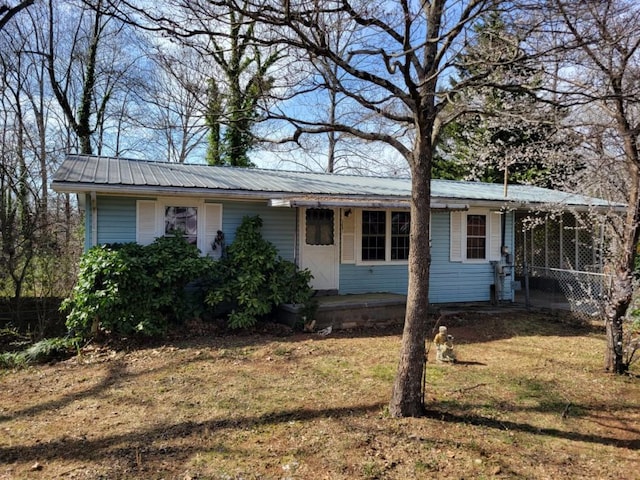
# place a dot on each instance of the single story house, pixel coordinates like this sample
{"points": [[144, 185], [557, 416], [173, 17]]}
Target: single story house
{"points": [[351, 232]]}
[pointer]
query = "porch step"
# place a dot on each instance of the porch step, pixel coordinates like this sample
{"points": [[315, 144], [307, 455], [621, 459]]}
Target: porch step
{"points": [[351, 311]]}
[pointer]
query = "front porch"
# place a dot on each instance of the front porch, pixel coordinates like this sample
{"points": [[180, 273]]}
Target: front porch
{"points": [[386, 309], [351, 311]]}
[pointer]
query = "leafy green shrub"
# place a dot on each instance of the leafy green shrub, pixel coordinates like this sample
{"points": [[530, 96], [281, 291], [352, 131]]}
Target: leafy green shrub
{"points": [[254, 280], [10, 360], [43, 351], [50, 349], [173, 263], [130, 288], [11, 339], [104, 295]]}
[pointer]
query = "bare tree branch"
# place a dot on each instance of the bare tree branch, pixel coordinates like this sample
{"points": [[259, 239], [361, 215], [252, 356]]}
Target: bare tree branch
{"points": [[7, 12]]}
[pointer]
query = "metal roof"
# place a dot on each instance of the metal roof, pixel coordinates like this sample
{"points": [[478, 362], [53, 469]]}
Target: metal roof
{"points": [[82, 173]]}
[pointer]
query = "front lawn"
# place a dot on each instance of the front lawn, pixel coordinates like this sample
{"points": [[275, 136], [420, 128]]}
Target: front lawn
{"points": [[528, 399]]}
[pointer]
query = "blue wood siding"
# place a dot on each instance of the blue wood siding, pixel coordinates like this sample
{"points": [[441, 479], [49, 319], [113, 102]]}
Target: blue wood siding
{"points": [[450, 282], [116, 220], [373, 278], [457, 281], [87, 221], [278, 224]]}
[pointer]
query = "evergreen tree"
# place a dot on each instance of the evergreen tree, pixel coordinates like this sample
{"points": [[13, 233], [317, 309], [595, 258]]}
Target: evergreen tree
{"points": [[503, 128], [232, 106]]}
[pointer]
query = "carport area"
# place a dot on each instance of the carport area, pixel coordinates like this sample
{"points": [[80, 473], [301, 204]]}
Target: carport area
{"points": [[559, 262]]}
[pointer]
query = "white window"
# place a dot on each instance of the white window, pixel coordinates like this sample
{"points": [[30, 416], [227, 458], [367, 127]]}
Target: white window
{"points": [[400, 229], [181, 220], [373, 236], [199, 222], [475, 236], [477, 243], [382, 236]]}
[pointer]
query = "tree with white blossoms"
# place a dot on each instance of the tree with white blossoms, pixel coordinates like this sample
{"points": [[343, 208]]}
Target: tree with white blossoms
{"points": [[504, 134], [592, 54]]}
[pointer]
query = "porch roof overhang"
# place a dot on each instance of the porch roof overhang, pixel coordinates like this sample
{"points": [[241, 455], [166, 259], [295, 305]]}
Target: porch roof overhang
{"points": [[358, 203]]}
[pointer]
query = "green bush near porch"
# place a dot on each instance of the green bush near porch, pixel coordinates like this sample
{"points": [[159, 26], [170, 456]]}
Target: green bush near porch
{"points": [[126, 289], [133, 289], [253, 280]]}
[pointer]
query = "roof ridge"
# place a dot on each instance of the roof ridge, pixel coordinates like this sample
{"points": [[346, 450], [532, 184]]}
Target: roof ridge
{"points": [[231, 167]]}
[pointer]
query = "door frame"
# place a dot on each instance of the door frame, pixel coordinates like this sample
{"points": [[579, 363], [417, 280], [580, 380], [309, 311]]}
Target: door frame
{"points": [[329, 252]]}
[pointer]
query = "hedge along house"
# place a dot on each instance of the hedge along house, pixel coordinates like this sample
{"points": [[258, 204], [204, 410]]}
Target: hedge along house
{"points": [[351, 232]]}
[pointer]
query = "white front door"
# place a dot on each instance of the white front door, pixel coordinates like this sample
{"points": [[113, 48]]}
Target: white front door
{"points": [[319, 251]]}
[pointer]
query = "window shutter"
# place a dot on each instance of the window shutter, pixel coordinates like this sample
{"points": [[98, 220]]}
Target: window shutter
{"points": [[146, 222], [212, 223], [348, 250], [495, 242], [455, 234]]}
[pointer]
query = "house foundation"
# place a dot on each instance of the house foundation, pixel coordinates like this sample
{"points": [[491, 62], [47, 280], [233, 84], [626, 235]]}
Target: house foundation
{"points": [[350, 311]]}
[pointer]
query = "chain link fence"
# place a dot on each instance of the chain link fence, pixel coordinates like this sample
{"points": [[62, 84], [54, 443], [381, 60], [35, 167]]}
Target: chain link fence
{"points": [[562, 254]]}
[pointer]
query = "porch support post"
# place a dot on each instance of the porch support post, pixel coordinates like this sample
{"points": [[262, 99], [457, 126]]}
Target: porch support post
{"points": [[533, 260], [561, 228], [94, 219], [546, 242], [577, 265]]}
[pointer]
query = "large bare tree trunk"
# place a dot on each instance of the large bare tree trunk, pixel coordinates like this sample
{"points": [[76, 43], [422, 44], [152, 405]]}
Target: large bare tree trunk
{"points": [[622, 294], [617, 309], [407, 399]]}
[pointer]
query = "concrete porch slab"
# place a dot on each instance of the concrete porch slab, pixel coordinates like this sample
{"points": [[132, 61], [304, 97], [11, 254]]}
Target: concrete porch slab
{"points": [[350, 311], [384, 309]]}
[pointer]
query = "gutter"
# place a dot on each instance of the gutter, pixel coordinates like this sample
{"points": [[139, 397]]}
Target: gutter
{"points": [[159, 191], [363, 203]]}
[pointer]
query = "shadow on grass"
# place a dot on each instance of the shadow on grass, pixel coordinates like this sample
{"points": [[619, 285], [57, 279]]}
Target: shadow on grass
{"points": [[128, 445], [467, 324], [507, 425], [471, 326], [104, 447], [116, 373], [467, 327]]}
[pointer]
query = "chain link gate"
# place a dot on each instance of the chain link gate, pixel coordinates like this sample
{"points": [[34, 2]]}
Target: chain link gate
{"points": [[562, 254]]}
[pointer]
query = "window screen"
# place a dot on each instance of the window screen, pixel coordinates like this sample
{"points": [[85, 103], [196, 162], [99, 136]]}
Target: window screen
{"points": [[319, 226]]}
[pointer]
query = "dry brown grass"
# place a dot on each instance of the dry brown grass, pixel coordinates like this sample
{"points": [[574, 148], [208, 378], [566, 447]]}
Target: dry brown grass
{"points": [[528, 400]]}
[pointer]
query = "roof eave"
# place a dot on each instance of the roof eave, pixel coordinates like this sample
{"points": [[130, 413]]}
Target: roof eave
{"points": [[146, 190], [513, 204], [370, 201]]}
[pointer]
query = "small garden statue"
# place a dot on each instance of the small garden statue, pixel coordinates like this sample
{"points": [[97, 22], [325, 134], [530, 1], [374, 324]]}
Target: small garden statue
{"points": [[219, 242], [444, 346]]}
